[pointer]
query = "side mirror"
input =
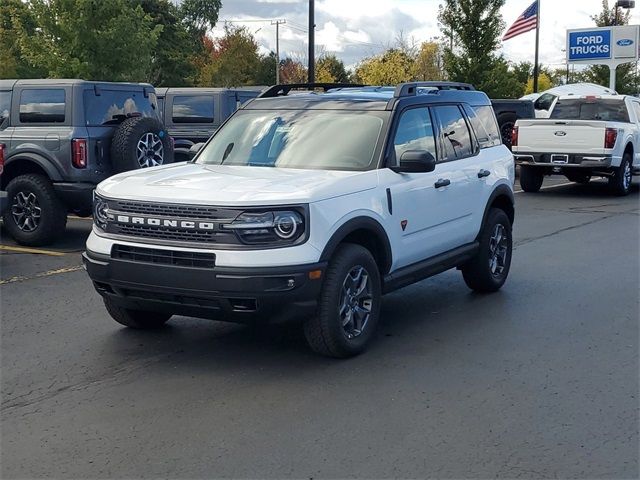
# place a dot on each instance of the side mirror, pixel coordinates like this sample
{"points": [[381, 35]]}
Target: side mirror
{"points": [[415, 161], [195, 148]]}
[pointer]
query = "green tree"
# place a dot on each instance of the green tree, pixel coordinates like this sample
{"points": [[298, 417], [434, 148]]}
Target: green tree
{"points": [[627, 80], [94, 40], [200, 15], [475, 27], [330, 69], [266, 73], [15, 17], [173, 59], [233, 59], [389, 68]]}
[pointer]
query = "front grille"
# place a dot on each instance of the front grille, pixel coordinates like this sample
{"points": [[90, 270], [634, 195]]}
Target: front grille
{"points": [[173, 210], [177, 234], [164, 257]]}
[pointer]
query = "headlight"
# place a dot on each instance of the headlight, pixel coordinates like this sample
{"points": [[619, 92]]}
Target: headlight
{"points": [[100, 211], [275, 227]]}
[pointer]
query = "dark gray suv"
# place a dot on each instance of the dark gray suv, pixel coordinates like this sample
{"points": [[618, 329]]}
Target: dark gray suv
{"points": [[59, 138]]}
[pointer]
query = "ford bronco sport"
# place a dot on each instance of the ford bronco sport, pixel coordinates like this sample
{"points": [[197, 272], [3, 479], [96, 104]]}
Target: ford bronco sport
{"points": [[59, 138], [311, 205]]}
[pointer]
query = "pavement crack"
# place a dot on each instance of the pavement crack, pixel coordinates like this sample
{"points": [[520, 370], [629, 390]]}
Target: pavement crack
{"points": [[556, 232]]}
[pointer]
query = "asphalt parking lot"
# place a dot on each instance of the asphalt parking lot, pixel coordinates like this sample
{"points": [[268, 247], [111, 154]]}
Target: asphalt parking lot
{"points": [[537, 381]]}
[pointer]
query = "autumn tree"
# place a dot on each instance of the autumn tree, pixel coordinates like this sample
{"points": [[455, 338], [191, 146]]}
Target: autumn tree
{"points": [[232, 60], [389, 68], [292, 71], [428, 62]]}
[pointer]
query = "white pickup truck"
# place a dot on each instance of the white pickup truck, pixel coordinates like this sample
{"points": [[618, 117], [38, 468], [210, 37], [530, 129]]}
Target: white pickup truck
{"points": [[585, 136]]}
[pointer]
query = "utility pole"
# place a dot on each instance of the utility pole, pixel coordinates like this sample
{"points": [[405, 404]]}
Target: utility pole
{"points": [[312, 42], [277, 23]]}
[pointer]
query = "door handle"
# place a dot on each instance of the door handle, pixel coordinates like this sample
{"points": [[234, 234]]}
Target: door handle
{"points": [[443, 182], [483, 173]]}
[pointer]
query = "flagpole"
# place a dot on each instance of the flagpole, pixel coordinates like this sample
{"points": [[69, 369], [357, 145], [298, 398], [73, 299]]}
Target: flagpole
{"points": [[535, 67]]}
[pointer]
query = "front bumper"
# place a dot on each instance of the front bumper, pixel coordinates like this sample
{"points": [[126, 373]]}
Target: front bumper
{"points": [[564, 161], [220, 293]]}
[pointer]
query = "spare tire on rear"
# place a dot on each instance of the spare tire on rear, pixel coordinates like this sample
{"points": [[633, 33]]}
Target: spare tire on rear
{"points": [[140, 142]]}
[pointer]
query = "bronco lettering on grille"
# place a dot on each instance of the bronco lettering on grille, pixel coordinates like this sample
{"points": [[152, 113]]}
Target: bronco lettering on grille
{"points": [[164, 222]]}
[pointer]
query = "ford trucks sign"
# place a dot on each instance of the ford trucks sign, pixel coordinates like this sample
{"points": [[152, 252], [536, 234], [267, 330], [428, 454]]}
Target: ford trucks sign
{"points": [[589, 45]]}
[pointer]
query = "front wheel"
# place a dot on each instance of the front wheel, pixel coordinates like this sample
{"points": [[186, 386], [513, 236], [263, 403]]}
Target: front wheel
{"points": [[349, 305], [139, 319], [530, 178], [489, 269], [620, 183]]}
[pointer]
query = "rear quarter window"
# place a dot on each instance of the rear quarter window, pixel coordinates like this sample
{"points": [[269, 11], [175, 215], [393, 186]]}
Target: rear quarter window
{"points": [[5, 107], [42, 105], [192, 109], [485, 126], [110, 107], [584, 109]]}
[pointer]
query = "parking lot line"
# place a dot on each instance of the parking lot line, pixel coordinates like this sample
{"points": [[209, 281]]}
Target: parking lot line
{"points": [[48, 273], [11, 248]]}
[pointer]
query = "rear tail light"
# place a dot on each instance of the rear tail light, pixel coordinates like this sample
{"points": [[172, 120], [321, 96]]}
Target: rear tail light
{"points": [[514, 137], [610, 137], [2, 147], [79, 152]]}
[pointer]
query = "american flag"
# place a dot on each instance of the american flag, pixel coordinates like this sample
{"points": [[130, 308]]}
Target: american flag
{"points": [[526, 22]]}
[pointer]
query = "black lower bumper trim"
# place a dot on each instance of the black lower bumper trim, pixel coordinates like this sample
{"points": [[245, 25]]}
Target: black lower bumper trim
{"points": [[233, 294]]}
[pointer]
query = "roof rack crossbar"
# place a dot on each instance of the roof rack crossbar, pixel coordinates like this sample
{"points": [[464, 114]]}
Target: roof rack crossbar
{"points": [[411, 89], [284, 89]]}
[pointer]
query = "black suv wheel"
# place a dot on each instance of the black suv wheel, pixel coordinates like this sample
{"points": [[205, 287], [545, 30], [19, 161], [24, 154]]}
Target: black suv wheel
{"points": [[136, 318], [489, 269], [140, 142], [349, 305], [35, 216]]}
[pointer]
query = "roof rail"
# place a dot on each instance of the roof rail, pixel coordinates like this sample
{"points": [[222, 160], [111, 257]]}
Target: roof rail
{"points": [[284, 89], [411, 89]]}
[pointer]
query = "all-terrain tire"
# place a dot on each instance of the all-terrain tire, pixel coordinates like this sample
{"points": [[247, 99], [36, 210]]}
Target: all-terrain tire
{"points": [[620, 182], [507, 121], [33, 195], [138, 319], [325, 332], [531, 178], [479, 273], [128, 150]]}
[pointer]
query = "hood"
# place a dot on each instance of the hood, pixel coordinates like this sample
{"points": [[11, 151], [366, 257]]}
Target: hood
{"points": [[192, 183]]}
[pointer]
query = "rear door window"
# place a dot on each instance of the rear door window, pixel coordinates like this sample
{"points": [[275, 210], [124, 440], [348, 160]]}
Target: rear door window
{"points": [[192, 109], [591, 109], [111, 107], [42, 105], [454, 133]]}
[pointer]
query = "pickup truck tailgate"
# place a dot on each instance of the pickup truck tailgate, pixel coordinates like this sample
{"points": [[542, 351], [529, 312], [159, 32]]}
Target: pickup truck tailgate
{"points": [[561, 136]]}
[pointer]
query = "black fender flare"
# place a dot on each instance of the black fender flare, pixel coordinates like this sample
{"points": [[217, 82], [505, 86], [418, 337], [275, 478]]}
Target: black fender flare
{"points": [[361, 223], [49, 167], [501, 190]]}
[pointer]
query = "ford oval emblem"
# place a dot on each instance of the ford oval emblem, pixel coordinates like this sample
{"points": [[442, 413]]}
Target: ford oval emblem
{"points": [[560, 133], [625, 42]]}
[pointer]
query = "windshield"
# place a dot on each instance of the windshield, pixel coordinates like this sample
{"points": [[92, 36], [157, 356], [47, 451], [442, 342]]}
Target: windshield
{"points": [[113, 106], [308, 139], [586, 109]]}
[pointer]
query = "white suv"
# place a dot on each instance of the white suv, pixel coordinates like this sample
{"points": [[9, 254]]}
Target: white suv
{"points": [[311, 205]]}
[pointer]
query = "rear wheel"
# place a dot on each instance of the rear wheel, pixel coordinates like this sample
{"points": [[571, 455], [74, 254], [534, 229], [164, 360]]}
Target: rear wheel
{"points": [[349, 305], [530, 178], [139, 319], [489, 269], [507, 121], [620, 183], [35, 216]]}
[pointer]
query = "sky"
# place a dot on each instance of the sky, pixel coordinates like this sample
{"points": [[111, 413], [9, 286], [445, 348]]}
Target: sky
{"points": [[355, 29]]}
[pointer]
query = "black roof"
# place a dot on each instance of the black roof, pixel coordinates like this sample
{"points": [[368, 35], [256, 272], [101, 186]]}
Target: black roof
{"points": [[367, 97]]}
